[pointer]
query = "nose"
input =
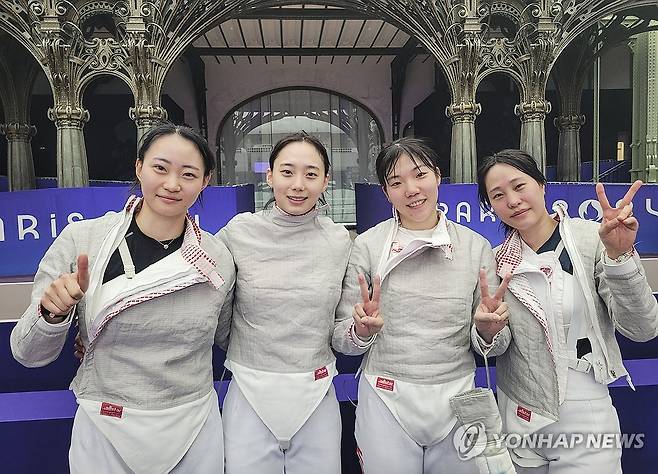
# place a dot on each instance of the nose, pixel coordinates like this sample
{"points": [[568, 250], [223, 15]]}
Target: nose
{"points": [[513, 201], [298, 183], [411, 190], [172, 184]]}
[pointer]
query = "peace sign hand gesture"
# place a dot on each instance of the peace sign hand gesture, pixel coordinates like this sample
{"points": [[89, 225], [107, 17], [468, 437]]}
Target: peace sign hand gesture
{"points": [[491, 314], [618, 227], [367, 320]]}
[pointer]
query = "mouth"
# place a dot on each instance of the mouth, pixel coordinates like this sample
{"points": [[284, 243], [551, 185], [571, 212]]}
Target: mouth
{"points": [[519, 213], [168, 198], [417, 203], [297, 199]]}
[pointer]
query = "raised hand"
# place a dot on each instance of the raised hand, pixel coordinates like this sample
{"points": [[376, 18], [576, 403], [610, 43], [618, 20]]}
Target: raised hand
{"points": [[618, 227], [67, 290], [491, 314], [367, 320]]}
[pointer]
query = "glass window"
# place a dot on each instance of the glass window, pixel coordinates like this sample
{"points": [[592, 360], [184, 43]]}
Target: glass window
{"points": [[348, 131]]}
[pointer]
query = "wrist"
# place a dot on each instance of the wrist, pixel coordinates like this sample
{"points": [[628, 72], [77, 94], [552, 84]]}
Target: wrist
{"points": [[619, 257], [49, 317]]}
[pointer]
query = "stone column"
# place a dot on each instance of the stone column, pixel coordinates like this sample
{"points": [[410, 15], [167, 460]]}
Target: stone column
{"points": [[568, 155], [20, 164], [146, 117], [533, 136], [72, 168], [463, 150]]}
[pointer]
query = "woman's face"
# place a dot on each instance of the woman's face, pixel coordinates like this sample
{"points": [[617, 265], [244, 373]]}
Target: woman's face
{"points": [[413, 189], [298, 178], [171, 176], [516, 198]]}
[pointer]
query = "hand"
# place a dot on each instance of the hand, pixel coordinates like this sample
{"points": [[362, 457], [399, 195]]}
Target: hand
{"points": [[491, 314], [367, 320], [79, 348], [618, 227], [67, 290]]}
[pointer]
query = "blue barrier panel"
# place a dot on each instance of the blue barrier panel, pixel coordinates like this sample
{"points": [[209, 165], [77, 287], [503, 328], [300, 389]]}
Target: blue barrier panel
{"points": [[460, 204], [30, 220]]}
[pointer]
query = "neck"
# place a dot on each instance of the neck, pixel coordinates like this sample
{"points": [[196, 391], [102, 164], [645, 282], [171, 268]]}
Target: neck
{"points": [[430, 223], [536, 236], [158, 227]]}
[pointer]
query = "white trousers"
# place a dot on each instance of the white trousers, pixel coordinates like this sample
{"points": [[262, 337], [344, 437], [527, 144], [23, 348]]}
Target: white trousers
{"points": [[385, 448], [250, 447], [581, 417], [91, 452]]}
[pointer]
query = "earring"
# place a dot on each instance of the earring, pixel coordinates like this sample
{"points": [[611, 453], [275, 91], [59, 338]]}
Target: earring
{"points": [[395, 214]]}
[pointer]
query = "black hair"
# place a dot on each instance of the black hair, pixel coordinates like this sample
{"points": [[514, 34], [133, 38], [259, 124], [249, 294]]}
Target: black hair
{"points": [[416, 149], [518, 159], [300, 137]]}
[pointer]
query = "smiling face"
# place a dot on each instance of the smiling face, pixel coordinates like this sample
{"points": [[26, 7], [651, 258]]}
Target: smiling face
{"points": [[412, 188], [298, 178], [516, 197], [171, 176]]}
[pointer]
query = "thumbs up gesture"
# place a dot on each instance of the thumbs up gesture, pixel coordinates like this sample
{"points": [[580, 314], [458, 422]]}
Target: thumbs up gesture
{"points": [[67, 290], [367, 320]]}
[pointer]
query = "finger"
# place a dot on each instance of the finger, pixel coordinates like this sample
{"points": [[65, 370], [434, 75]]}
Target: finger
{"points": [[73, 289], [625, 213], [365, 294], [360, 312], [609, 226], [83, 272], [484, 285], [501, 309], [51, 307], [486, 318], [603, 199], [63, 293], [630, 194], [376, 289], [500, 292], [631, 223], [373, 324]]}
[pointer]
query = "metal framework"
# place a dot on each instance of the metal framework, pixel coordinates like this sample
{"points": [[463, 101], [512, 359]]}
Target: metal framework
{"points": [[463, 36]]}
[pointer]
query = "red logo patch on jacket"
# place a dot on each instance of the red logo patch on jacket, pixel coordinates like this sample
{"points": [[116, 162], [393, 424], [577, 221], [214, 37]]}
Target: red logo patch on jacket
{"points": [[385, 384], [321, 373], [110, 409], [523, 413]]}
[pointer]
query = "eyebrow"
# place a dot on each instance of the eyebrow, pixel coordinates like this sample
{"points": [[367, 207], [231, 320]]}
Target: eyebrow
{"points": [[169, 162], [292, 165], [511, 182], [415, 168]]}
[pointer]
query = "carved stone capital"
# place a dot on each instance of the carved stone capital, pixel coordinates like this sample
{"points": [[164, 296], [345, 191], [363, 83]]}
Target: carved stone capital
{"points": [[66, 116], [147, 115], [569, 122], [18, 131], [533, 110], [463, 111]]}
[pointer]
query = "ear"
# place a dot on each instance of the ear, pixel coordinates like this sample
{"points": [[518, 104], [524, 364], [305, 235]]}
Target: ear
{"points": [[325, 183], [138, 169], [268, 177]]}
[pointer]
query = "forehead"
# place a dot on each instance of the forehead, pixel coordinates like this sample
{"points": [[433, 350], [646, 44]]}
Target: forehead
{"points": [[300, 154], [500, 174], [173, 147], [405, 164]]}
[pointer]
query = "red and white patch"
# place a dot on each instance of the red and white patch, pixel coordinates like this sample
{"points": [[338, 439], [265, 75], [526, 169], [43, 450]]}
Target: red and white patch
{"points": [[110, 409], [523, 413], [321, 373], [548, 271], [385, 384]]}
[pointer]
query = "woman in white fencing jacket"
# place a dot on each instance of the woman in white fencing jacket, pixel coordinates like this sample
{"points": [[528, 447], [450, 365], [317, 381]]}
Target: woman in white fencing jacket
{"points": [[151, 293], [574, 283], [281, 413]]}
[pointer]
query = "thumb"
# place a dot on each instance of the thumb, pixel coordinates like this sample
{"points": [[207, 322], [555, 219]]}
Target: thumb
{"points": [[83, 272]]}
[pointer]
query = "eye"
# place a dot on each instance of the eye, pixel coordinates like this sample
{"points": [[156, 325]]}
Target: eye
{"points": [[394, 184], [519, 186], [421, 174], [286, 172], [189, 175], [496, 196], [312, 175], [159, 168]]}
